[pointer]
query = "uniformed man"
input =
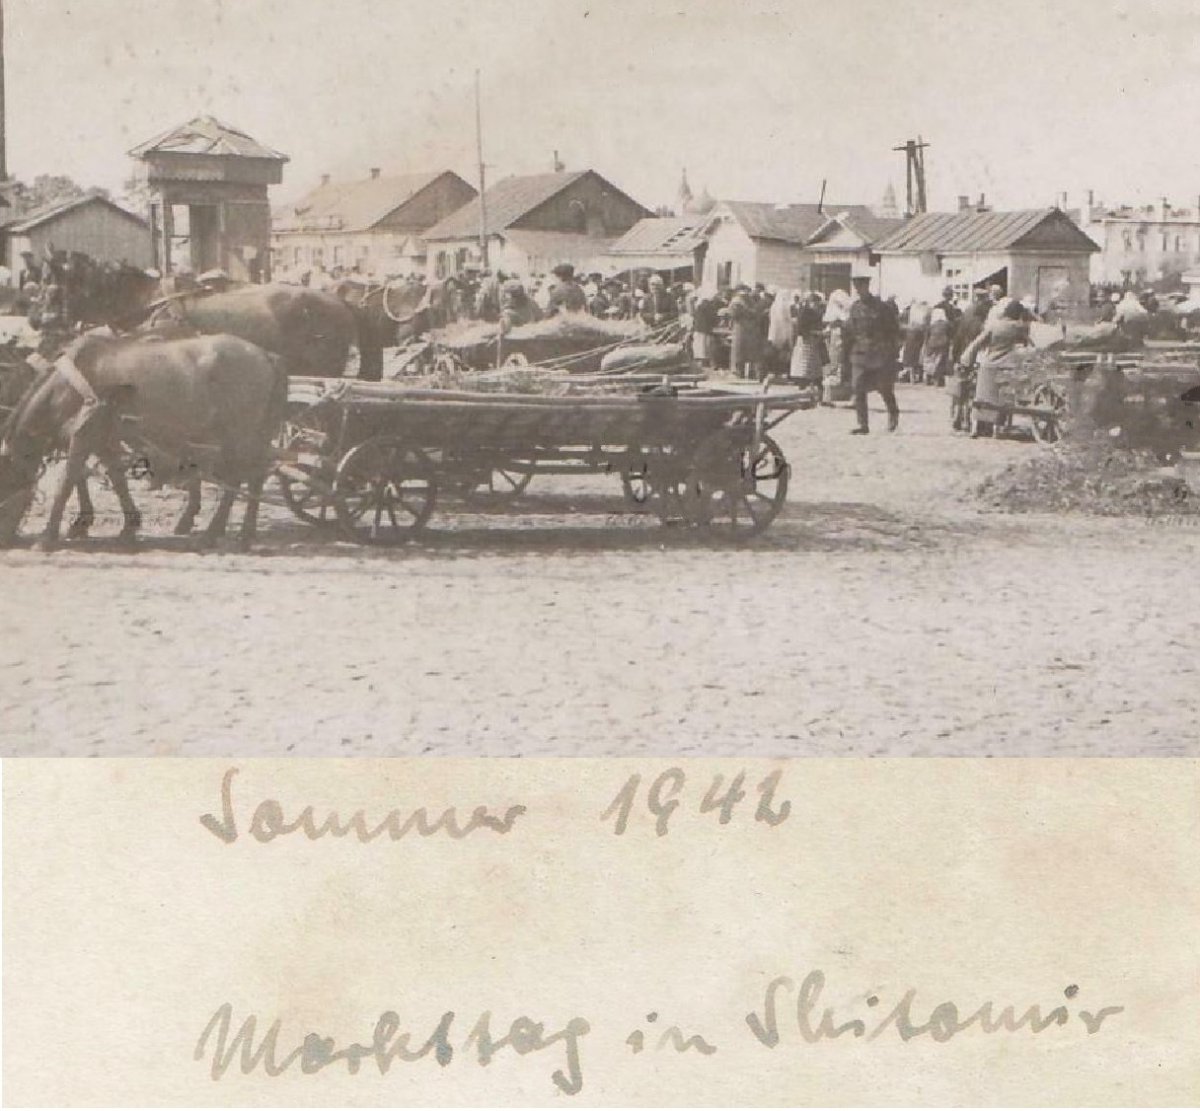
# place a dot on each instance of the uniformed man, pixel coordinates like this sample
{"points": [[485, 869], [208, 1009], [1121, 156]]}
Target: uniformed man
{"points": [[870, 346]]}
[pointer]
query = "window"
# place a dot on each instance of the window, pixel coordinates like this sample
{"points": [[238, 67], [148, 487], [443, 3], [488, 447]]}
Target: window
{"points": [[364, 250], [298, 256], [1179, 243], [577, 216], [460, 259], [1127, 241], [443, 264], [339, 255]]}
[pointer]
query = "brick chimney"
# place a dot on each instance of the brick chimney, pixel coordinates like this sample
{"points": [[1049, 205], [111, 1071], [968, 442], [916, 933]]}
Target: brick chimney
{"points": [[982, 202], [964, 202], [1164, 209], [375, 172]]}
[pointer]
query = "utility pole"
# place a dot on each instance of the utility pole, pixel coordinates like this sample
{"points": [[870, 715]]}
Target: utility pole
{"points": [[914, 167], [821, 202], [483, 234], [3, 128]]}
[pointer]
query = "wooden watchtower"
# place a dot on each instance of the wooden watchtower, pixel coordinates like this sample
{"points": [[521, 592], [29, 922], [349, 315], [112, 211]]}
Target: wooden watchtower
{"points": [[210, 208]]}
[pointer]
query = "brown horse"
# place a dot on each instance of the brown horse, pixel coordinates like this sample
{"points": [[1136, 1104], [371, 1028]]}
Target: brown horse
{"points": [[309, 330], [208, 404], [390, 315]]}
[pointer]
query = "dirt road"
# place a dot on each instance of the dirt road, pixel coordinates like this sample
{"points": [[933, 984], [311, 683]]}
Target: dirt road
{"points": [[882, 614]]}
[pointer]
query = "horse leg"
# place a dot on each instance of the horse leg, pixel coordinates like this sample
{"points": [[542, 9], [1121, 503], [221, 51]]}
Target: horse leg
{"points": [[250, 518], [220, 518], [187, 519], [113, 464], [86, 517], [77, 455]]}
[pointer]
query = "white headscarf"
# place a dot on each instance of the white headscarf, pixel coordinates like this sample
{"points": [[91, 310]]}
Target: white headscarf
{"points": [[779, 325], [838, 308]]}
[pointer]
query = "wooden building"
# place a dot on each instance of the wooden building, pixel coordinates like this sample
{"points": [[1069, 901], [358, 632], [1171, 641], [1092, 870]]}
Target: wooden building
{"points": [[211, 208], [671, 246], [91, 224], [1038, 254], [789, 246], [534, 223], [374, 224]]}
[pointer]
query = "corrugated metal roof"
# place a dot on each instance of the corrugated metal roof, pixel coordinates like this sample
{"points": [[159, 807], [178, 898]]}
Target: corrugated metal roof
{"points": [[354, 205], [506, 202], [668, 235], [949, 232], [49, 212], [206, 135]]}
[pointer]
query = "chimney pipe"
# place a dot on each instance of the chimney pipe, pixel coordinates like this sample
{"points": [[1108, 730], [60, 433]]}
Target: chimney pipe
{"points": [[1062, 201], [375, 171], [1091, 197], [964, 202], [982, 203]]}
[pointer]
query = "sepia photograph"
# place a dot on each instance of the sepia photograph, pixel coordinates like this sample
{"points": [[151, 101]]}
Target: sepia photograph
{"points": [[549, 379]]}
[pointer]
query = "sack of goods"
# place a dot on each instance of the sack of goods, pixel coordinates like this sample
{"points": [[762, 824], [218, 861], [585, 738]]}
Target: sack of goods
{"points": [[647, 356]]}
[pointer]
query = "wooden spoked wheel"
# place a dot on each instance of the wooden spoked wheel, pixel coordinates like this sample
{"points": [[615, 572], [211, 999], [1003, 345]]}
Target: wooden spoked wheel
{"points": [[307, 493], [735, 490], [1048, 430], [383, 492]]}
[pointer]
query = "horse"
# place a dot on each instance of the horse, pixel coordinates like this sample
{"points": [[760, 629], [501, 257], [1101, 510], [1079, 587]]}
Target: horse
{"points": [[389, 315], [309, 330], [208, 401]]}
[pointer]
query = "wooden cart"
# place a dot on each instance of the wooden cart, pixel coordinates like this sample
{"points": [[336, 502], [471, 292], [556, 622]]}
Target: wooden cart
{"points": [[372, 458]]}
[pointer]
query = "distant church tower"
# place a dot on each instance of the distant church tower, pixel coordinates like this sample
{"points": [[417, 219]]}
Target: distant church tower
{"points": [[683, 199], [889, 209]]}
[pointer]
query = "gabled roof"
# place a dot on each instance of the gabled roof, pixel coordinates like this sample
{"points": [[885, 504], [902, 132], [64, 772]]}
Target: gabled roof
{"points": [[861, 221], [30, 220], [950, 232], [507, 202], [667, 235], [354, 205], [791, 223], [206, 135]]}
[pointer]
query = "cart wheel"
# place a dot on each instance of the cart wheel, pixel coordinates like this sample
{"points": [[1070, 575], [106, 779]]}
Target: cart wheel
{"points": [[308, 494], [383, 492], [734, 491], [1048, 430]]}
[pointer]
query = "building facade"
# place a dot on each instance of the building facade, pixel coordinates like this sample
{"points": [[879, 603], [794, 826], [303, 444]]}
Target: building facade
{"points": [[1038, 255], [1153, 243], [533, 223], [789, 246], [374, 225]]}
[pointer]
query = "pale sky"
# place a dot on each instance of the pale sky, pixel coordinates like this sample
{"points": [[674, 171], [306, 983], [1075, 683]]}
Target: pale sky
{"points": [[1019, 99]]}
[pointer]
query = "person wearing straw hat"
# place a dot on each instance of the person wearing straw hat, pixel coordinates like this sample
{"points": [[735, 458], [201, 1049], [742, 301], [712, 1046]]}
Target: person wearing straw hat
{"points": [[870, 346]]}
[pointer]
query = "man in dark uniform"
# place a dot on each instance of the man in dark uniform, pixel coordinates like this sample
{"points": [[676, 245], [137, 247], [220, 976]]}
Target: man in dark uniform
{"points": [[870, 346], [566, 294]]}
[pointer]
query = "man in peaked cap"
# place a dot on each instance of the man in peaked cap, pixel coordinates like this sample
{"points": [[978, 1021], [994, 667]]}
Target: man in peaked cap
{"points": [[870, 343]]}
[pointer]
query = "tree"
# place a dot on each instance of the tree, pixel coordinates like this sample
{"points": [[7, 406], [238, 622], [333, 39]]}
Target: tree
{"points": [[47, 189]]}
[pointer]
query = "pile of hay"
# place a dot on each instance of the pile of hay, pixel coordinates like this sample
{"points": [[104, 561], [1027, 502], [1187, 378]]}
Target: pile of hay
{"points": [[1094, 478], [590, 331]]}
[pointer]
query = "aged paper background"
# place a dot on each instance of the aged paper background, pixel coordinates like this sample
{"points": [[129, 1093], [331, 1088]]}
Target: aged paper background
{"points": [[128, 924]]}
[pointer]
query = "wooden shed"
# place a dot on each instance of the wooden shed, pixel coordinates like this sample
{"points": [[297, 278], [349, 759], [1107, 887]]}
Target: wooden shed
{"points": [[211, 209], [91, 224]]}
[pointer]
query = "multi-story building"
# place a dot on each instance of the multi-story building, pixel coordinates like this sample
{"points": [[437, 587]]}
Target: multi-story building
{"points": [[374, 225], [1139, 245]]}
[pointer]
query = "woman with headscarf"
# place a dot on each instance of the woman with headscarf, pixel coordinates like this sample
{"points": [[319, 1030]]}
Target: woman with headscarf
{"points": [[836, 313], [916, 323], [780, 333], [809, 356], [998, 342]]}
